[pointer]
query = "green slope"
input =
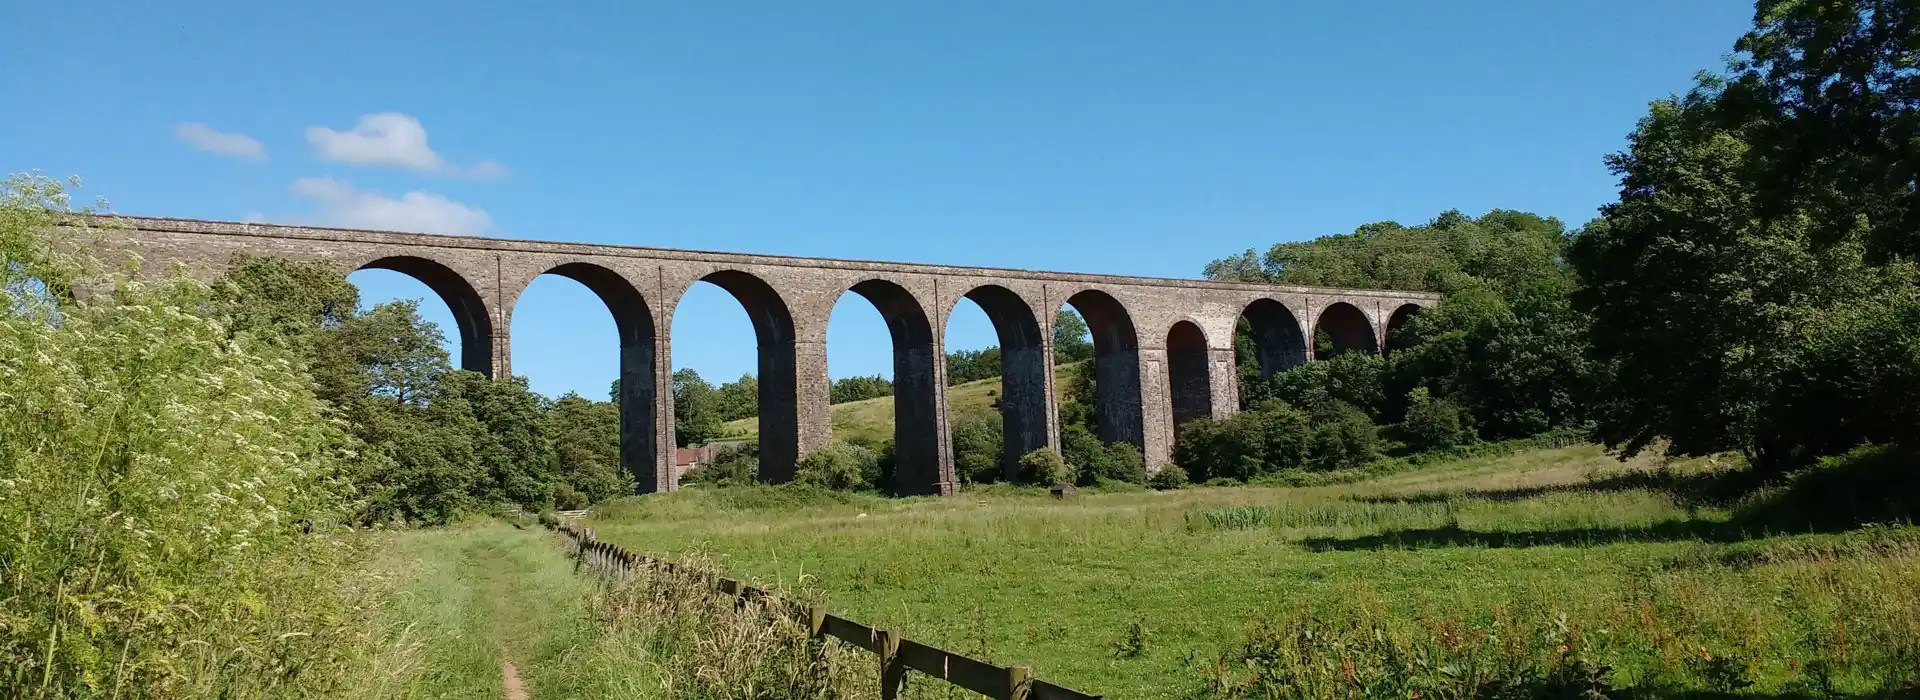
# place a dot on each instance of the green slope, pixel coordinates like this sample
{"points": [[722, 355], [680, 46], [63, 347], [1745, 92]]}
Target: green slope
{"points": [[873, 418]]}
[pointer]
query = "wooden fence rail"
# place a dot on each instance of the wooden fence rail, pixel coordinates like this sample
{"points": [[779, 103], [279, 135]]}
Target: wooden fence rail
{"points": [[897, 655]]}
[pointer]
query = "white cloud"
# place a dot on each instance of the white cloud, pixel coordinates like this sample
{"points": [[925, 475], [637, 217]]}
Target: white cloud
{"points": [[205, 138], [342, 205], [391, 138]]}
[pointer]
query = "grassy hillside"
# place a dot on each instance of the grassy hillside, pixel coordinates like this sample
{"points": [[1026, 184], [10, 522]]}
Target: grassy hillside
{"points": [[1523, 559], [873, 418]]}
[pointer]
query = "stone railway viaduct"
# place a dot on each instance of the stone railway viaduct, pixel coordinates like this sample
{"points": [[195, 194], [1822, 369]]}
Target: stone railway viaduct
{"points": [[1163, 347]]}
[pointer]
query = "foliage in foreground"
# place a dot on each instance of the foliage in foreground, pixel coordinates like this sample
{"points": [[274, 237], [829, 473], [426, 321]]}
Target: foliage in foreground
{"points": [[158, 482]]}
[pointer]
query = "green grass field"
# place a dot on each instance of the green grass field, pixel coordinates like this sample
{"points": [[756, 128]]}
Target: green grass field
{"points": [[872, 419], [1661, 586]]}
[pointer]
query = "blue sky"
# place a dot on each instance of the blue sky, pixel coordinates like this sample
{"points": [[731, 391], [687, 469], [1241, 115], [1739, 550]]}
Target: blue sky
{"points": [[1120, 137]]}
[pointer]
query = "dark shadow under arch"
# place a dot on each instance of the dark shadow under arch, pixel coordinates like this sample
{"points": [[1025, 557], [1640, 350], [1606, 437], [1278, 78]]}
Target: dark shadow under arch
{"points": [[1348, 328], [1023, 374], [778, 371], [1395, 323], [919, 467], [638, 399], [1116, 367], [1189, 380], [469, 311], [1277, 341]]}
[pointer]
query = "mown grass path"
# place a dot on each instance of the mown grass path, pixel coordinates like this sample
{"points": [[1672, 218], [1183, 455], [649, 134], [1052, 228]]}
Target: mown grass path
{"points": [[479, 597]]}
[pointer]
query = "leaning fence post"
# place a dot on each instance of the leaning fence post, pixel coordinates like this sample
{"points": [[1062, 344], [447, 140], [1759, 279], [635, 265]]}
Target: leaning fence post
{"points": [[893, 673], [1019, 683]]}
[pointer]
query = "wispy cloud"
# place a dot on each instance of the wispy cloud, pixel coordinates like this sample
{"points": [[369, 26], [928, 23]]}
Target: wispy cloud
{"points": [[343, 205], [391, 138], [206, 138]]}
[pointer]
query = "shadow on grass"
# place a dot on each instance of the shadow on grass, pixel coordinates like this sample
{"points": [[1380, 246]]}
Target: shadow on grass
{"points": [[1868, 485]]}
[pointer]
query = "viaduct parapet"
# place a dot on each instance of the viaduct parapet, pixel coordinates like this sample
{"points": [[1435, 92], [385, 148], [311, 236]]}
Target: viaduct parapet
{"points": [[1163, 347]]}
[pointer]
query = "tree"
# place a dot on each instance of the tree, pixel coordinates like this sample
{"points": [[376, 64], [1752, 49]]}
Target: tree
{"points": [[839, 466], [1071, 343], [738, 399], [972, 365], [586, 448], [848, 389], [511, 449], [696, 410], [1434, 424], [1764, 221]]}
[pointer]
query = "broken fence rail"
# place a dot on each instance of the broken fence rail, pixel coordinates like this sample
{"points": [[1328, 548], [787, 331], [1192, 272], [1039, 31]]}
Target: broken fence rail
{"points": [[897, 655]]}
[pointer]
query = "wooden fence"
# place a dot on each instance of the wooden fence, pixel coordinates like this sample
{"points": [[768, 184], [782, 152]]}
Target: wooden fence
{"points": [[897, 655]]}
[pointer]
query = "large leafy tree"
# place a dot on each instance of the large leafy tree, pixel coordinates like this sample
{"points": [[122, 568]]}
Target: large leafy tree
{"points": [[1071, 343], [696, 410], [1753, 287]]}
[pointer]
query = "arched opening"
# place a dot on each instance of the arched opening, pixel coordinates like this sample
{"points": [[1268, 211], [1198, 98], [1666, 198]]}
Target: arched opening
{"points": [[465, 309], [776, 396], [919, 467], [1116, 367], [1396, 339], [1267, 340], [1277, 343], [550, 350], [1189, 383], [1022, 361], [1345, 329]]}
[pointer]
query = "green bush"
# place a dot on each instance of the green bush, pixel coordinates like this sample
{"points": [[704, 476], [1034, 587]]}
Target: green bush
{"points": [[736, 465], [1169, 478], [976, 448], [1045, 466], [1343, 437], [836, 467], [1435, 424], [1119, 461]]}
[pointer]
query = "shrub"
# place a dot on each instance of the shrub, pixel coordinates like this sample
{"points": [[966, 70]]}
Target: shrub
{"points": [[1119, 461], [977, 447], [1435, 424], [1045, 466], [1352, 378], [836, 467], [1271, 437], [735, 465], [1170, 477], [1079, 447], [1344, 437]]}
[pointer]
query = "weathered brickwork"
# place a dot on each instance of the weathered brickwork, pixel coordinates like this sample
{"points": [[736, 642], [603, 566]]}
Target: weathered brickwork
{"points": [[1164, 347]]}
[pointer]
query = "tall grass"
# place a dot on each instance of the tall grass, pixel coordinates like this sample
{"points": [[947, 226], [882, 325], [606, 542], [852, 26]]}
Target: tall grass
{"points": [[158, 482]]}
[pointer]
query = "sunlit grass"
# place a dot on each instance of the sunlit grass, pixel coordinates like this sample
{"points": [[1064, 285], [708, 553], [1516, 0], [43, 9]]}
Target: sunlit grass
{"points": [[1657, 581]]}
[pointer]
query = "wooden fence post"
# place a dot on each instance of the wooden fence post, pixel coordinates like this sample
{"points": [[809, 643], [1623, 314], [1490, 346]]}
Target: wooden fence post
{"points": [[1019, 683], [893, 673]]}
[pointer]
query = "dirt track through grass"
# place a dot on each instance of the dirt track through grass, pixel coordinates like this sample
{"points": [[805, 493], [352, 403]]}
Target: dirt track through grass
{"points": [[496, 607]]}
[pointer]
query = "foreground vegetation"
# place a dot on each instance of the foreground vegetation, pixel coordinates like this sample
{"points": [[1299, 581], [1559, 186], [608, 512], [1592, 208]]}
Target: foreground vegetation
{"points": [[1529, 561]]}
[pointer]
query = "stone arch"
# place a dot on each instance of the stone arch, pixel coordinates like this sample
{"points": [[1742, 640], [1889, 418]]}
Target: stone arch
{"points": [[639, 392], [778, 370], [1023, 373], [1116, 367], [1349, 329], [1189, 381], [469, 309], [1396, 321], [1278, 342], [918, 465]]}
